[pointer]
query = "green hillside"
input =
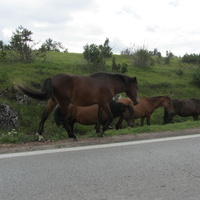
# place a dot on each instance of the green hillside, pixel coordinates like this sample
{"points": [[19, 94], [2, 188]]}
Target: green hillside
{"points": [[173, 80]]}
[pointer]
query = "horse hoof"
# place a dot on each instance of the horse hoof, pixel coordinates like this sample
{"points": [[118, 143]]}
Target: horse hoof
{"points": [[40, 137], [75, 139]]}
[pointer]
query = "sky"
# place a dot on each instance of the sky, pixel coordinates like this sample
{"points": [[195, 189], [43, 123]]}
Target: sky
{"points": [[168, 25]]}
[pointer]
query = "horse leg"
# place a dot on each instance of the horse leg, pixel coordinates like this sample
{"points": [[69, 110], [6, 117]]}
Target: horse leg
{"points": [[142, 121], [68, 127], [166, 117], [106, 108], [99, 119], [119, 123], [148, 119], [50, 106], [71, 124]]}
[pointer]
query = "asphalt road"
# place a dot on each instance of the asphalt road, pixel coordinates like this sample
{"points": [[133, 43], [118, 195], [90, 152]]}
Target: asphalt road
{"points": [[159, 169]]}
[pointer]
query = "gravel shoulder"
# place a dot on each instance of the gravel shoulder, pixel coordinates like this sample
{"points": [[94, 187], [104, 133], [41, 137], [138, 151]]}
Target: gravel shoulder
{"points": [[34, 146]]}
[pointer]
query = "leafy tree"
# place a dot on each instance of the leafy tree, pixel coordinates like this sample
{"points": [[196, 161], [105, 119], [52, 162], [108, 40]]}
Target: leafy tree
{"points": [[106, 50], [2, 51], [96, 55], [191, 58], [21, 44], [50, 45], [128, 51], [169, 56]]}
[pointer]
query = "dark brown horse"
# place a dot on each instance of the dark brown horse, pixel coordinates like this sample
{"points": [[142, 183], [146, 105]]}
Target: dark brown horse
{"points": [[98, 88], [146, 107], [183, 108], [88, 115]]}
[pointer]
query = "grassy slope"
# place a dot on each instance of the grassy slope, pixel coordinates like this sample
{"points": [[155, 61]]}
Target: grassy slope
{"points": [[159, 80]]}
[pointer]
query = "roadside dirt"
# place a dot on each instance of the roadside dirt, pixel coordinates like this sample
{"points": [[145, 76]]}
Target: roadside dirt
{"points": [[34, 146]]}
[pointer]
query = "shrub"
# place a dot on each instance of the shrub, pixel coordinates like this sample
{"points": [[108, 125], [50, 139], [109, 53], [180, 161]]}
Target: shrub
{"points": [[96, 55], [192, 58], [118, 68], [179, 72], [196, 78], [142, 58]]}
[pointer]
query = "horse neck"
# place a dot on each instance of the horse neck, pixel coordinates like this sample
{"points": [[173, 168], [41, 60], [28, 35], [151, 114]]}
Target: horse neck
{"points": [[118, 87], [156, 102]]}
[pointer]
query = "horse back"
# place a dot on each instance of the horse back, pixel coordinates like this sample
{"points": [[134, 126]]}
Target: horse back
{"points": [[87, 89], [126, 101], [139, 109], [81, 90], [188, 108]]}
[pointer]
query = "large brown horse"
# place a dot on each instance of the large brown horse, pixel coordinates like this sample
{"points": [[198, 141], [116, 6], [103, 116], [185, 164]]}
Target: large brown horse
{"points": [[88, 115], [183, 108], [98, 88], [146, 107]]}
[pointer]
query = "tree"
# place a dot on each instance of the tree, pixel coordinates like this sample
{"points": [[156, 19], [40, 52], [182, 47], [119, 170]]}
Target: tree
{"points": [[191, 58], [96, 55], [128, 51], [50, 45], [169, 56], [2, 51], [105, 49], [21, 44]]}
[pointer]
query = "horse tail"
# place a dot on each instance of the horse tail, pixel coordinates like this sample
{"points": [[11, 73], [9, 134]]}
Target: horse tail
{"points": [[45, 94]]}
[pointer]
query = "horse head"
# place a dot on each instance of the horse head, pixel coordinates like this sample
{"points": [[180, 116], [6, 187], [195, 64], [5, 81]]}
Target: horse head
{"points": [[128, 115], [168, 105], [132, 92]]}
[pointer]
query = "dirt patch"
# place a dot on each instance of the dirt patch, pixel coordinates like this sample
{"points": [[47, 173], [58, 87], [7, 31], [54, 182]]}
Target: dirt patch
{"points": [[34, 146]]}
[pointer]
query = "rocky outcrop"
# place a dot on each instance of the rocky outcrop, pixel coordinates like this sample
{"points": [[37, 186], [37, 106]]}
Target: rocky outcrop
{"points": [[9, 117]]}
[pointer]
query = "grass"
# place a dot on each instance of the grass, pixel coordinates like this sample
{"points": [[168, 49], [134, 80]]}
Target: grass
{"points": [[172, 80]]}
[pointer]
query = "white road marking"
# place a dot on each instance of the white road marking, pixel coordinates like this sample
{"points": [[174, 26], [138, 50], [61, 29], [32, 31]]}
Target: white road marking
{"points": [[100, 146]]}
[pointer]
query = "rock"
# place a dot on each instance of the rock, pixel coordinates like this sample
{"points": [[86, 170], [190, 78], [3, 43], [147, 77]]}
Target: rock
{"points": [[9, 117], [21, 98]]}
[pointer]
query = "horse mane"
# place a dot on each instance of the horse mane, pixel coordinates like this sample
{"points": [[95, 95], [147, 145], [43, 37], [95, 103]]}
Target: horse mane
{"points": [[116, 108], [117, 77]]}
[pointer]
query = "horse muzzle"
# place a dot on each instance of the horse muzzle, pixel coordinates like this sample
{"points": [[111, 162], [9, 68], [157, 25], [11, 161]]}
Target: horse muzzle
{"points": [[170, 112], [135, 102]]}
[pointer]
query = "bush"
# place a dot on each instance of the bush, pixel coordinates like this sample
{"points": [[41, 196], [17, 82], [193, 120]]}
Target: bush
{"points": [[192, 58], [118, 68], [179, 72], [96, 55], [142, 58], [196, 79]]}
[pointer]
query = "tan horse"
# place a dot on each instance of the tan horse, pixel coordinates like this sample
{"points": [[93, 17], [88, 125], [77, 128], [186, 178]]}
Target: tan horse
{"points": [[146, 107], [88, 115]]}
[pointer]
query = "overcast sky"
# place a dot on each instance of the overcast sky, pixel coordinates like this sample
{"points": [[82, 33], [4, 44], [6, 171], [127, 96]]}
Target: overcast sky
{"points": [[171, 25]]}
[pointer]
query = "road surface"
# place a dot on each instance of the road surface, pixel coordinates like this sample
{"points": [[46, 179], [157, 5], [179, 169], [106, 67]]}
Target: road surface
{"points": [[157, 169]]}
